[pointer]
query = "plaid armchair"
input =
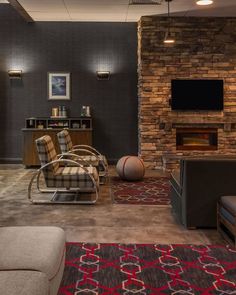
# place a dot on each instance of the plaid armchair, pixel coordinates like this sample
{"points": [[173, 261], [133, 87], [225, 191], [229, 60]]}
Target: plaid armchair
{"points": [[63, 175], [86, 152]]}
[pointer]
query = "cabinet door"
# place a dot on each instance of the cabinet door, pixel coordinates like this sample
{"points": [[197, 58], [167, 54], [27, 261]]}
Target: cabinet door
{"points": [[81, 137]]}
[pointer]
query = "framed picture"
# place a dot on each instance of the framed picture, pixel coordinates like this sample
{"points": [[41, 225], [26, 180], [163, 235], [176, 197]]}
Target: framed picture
{"points": [[59, 86]]}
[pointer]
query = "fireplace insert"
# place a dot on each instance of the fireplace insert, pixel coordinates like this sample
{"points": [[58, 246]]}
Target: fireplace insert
{"points": [[196, 139]]}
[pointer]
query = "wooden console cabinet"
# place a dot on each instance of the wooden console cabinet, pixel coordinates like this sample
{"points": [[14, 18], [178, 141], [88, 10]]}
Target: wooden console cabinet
{"points": [[82, 134]]}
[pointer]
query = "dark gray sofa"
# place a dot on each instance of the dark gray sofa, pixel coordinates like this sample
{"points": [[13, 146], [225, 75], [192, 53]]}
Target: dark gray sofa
{"points": [[197, 186]]}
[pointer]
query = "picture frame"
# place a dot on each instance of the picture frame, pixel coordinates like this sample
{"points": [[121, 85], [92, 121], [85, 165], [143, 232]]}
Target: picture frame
{"points": [[59, 86]]}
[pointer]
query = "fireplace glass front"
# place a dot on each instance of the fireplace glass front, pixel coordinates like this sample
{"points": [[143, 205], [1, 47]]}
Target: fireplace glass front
{"points": [[196, 139]]}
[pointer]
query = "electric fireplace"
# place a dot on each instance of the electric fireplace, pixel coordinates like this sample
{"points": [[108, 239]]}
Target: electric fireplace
{"points": [[196, 139]]}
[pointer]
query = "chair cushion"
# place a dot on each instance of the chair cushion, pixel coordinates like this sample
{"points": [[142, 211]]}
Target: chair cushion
{"points": [[73, 177], [91, 160], [99, 161], [229, 202], [32, 248], [19, 282], [175, 180]]}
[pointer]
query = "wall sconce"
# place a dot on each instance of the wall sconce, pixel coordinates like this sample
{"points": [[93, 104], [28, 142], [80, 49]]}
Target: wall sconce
{"points": [[103, 75], [15, 74]]}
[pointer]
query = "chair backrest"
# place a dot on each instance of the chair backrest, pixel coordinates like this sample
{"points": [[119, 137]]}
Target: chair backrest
{"points": [[47, 154], [65, 141]]}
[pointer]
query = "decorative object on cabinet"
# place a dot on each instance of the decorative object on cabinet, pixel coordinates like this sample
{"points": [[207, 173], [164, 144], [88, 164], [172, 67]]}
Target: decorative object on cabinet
{"points": [[55, 113], [59, 112], [80, 130], [59, 86], [85, 111]]}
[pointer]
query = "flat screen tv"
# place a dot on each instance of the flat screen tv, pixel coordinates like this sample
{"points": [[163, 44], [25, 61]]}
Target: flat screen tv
{"points": [[197, 95]]}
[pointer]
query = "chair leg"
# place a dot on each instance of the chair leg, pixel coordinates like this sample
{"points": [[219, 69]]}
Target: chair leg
{"points": [[103, 175], [103, 178]]}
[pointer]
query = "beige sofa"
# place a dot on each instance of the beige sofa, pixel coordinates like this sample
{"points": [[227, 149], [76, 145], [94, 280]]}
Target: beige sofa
{"points": [[31, 260]]}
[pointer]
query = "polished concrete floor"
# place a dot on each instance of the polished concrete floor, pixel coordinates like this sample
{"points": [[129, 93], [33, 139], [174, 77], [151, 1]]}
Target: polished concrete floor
{"points": [[103, 222]]}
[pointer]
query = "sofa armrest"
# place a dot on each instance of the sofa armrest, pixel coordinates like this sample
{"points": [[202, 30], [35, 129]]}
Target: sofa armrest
{"points": [[205, 180]]}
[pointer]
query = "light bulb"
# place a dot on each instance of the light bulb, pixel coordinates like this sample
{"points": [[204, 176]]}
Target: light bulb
{"points": [[169, 41], [204, 2]]}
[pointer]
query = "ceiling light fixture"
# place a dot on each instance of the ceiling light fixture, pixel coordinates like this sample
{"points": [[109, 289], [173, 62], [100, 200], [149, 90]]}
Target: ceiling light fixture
{"points": [[168, 39], [204, 2]]}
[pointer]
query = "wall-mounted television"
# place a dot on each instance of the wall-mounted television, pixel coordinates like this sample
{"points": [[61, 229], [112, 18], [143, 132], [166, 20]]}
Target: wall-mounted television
{"points": [[197, 94]]}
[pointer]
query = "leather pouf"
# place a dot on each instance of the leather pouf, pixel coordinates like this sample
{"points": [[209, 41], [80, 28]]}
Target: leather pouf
{"points": [[130, 168]]}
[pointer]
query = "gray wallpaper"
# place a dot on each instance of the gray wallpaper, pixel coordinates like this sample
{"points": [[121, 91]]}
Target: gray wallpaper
{"points": [[78, 48]]}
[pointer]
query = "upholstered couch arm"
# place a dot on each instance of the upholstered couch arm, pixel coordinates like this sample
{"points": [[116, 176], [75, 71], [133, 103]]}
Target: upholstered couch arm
{"points": [[202, 181]]}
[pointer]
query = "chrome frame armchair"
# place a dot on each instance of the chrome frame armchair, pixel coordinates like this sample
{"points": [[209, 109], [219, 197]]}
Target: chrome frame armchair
{"points": [[86, 152], [63, 175]]}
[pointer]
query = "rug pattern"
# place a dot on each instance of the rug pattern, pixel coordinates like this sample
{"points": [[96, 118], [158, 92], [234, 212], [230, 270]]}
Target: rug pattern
{"points": [[149, 191], [148, 269]]}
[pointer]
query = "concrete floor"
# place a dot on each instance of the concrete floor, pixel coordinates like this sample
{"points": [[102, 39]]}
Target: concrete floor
{"points": [[103, 222]]}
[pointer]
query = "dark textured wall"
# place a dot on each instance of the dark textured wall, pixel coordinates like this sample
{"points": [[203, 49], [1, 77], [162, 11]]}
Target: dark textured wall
{"points": [[81, 49]]}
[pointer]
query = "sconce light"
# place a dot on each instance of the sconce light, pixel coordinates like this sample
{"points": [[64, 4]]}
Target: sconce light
{"points": [[103, 75], [15, 74]]}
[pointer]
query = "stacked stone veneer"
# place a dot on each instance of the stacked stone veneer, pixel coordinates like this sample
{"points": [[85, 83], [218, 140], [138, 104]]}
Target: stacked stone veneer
{"points": [[205, 48]]}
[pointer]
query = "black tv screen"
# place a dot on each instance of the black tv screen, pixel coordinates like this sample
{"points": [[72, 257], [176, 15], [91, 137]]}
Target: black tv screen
{"points": [[197, 95]]}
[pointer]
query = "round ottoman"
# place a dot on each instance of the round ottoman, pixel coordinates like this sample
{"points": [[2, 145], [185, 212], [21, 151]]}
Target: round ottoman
{"points": [[130, 168]]}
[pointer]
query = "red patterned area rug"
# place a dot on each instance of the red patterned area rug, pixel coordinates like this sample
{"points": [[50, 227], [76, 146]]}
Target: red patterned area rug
{"points": [[148, 269], [149, 191]]}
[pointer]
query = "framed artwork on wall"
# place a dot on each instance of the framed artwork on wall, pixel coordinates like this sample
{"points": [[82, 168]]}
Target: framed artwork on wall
{"points": [[59, 86]]}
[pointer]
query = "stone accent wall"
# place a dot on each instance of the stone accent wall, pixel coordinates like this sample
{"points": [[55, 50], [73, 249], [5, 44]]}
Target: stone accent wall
{"points": [[205, 48]]}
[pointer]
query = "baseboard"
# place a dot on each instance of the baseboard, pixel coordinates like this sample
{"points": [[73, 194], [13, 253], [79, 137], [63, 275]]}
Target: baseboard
{"points": [[10, 160]]}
